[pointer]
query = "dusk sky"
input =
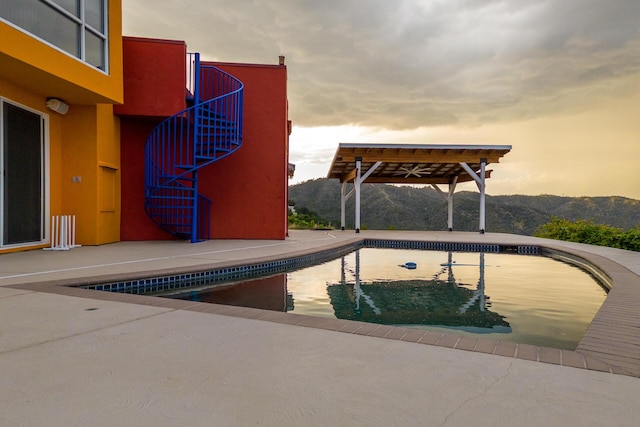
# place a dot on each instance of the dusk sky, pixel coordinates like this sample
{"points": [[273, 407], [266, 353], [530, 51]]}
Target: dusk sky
{"points": [[559, 80]]}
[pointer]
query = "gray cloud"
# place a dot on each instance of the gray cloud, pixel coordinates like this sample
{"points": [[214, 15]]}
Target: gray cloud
{"points": [[408, 63]]}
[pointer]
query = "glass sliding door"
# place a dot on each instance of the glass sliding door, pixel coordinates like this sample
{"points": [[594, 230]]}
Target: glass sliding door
{"points": [[22, 177]]}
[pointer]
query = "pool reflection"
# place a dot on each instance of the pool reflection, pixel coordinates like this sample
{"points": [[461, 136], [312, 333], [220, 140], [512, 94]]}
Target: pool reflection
{"points": [[534, 300], [268, 293], [434, 301]]}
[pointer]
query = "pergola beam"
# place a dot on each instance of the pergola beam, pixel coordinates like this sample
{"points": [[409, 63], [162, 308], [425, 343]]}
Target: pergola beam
{"points": [[411, 158], [423, 180], [349, 176]]}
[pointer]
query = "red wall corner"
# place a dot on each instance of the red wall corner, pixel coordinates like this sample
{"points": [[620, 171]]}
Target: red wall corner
{"points": [[134, 222], [249, 188], [154, 77]]}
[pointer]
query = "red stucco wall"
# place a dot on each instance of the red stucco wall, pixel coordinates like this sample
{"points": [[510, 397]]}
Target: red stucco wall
{"points": [[154, 77], [134, 223], [249, 188]]}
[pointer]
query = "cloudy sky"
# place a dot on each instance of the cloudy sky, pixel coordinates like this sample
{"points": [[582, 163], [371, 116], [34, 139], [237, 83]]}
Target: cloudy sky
{"points": [[559, 80]]}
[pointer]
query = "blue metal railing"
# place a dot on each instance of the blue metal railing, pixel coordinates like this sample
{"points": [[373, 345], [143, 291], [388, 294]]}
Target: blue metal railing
{"points": [[184, 143]]}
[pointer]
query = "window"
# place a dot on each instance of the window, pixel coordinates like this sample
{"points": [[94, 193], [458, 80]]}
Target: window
{"points": [[77, 27]]}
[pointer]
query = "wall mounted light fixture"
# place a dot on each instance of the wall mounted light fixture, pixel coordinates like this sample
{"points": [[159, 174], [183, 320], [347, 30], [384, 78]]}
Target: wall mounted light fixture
{"points": [[54, 104]]}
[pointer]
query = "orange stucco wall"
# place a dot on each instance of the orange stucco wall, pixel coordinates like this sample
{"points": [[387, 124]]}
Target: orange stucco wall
{"points": [[249, 187], [90, 144], [85, 142]]}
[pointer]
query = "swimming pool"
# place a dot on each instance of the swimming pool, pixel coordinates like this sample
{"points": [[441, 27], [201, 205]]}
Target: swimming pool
{"points": [[526, 299]]}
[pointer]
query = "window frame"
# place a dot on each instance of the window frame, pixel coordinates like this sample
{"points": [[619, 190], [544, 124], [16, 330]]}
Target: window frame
{"points": [[84, 27]]}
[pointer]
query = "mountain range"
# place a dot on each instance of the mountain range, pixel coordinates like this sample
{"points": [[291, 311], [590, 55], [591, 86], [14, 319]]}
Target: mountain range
{"points": [[422, 208]]}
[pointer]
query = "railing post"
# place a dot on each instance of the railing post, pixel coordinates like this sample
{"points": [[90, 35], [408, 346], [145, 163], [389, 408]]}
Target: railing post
{"points": [[196, 78], [196, 142], [194, 213]]}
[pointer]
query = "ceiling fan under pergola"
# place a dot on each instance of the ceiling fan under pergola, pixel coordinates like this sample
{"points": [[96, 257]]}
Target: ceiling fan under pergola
{"points": [[415, 171]]}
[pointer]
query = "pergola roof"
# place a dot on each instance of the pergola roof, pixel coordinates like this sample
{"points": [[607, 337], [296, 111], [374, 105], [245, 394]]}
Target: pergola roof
{"points": [[413, 164]]}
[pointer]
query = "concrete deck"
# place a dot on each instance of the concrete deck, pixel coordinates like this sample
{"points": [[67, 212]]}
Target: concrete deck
{"points": [[79, 357]]}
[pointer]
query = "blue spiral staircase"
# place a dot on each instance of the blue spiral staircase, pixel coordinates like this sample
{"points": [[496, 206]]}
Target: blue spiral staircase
{"points": [[207, 131]]}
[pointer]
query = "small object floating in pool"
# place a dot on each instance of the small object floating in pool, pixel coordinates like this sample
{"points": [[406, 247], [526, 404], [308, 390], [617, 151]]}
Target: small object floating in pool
{"points": [[409, 265]]}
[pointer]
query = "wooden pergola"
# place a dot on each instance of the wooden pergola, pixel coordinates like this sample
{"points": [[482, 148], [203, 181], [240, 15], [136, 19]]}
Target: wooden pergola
{"points": [[414, 164]]}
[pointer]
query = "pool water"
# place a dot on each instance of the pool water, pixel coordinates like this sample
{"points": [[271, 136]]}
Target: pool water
{"points": [[525, 299]]}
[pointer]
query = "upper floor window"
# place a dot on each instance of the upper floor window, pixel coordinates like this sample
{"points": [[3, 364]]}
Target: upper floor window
{"points": [[78, 27]]}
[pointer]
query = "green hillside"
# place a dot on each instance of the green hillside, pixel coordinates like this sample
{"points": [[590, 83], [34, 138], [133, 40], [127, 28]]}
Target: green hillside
{"points": [[409, 208]]}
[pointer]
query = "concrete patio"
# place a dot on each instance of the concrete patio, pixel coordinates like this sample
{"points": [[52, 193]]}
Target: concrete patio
{"points": [[73, 356]]}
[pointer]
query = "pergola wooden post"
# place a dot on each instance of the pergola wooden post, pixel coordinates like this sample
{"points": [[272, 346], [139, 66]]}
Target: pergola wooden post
{"points": [[414, 164], [343, 201], [449, 199], [358, 182], [480, 182]]}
